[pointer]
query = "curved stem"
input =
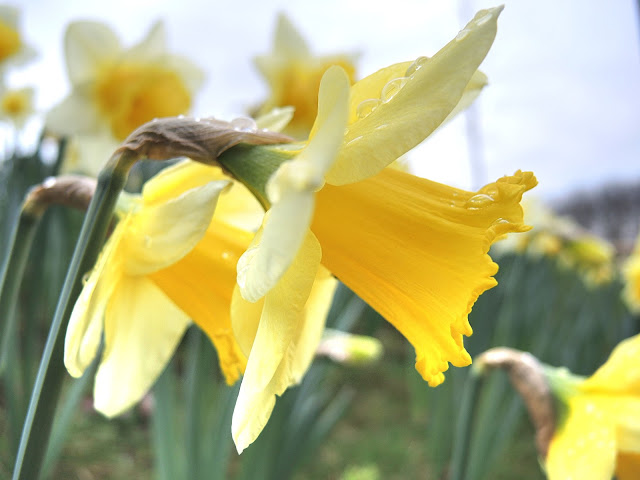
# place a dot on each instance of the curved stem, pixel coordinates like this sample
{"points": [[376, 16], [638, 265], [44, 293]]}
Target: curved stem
{"points": [[51, 372]]}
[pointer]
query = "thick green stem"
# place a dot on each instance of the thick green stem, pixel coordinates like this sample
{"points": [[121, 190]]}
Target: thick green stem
{"points": [[44, 397], [462, 438]]}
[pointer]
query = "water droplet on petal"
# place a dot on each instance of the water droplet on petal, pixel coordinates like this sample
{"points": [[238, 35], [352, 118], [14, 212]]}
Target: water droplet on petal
{"points": [[416, 65], [354, 140], [479, 200], [244, 124], [85, 278], [482, 20], [226, 255], [501, 221], [366, 107], [392, 88], [462, 35]]}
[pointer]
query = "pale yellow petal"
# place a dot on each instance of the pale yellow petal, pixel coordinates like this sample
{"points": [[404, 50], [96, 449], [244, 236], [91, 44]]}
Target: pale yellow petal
{"points": [[275, 245], [142, 330], [177, 179], [276, 119], [162, 234], [74, 115], [405, 116], [416, 251], [86, 322], [88, 47], [245, 318], [620, 373], [291, 190], [315, 315], [471, 92], [288, 42], [201, 284], [269, 369], [584, 445], [153, 45]]}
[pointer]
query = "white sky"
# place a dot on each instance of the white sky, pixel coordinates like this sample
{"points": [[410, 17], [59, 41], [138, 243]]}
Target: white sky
{"points": [[563, 99]]}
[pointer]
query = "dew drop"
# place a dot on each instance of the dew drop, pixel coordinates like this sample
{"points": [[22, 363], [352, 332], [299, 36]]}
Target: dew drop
{"points": [[482, 20], [226, 255], [416, 65], [462, 34], [244, 124], [392, 88], [353, 141], [480, 200], [49, 182], [366, 107], [501, 221]]}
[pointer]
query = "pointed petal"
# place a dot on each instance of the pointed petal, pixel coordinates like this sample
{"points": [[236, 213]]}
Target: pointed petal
{"points": [[74, 115], [269, 370], [162, 234], [276, 119], [153, 45], [584, 446], [620, 373], [416, 251], [201, 284], [142, 330], [292, 190], [288, 42], [88, 46], [423, 102], [86, 322]]}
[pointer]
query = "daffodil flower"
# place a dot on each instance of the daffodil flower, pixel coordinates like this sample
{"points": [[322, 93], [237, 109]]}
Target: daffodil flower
{"points": [[115, 90], [13, 50], [293, 74], [631, 273], [165, 263], [414, 250], [599, 433], [16, 105]]}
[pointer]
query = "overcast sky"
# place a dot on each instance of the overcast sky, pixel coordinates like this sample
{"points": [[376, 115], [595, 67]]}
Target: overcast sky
{"points": [[564, 76]]}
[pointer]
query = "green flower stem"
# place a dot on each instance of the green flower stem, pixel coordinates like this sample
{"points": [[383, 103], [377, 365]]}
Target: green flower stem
{"points": [[462, 439], [51, 373], [11, 278], [253, 165]]}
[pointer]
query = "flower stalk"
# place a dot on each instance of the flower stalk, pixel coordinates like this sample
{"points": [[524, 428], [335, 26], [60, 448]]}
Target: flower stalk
{"points": [[51, 373]]}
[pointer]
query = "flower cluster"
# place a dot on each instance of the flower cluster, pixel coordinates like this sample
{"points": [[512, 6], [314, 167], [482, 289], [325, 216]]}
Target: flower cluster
{"points": [[415, 250]]}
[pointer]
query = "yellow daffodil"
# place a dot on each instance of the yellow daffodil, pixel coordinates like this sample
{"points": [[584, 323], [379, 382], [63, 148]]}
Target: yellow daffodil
{"points": [[165, 262], [16, 105], [631, 272], [599, 433], [294, 74], [414, 250], [13, 50], [115, 90]]}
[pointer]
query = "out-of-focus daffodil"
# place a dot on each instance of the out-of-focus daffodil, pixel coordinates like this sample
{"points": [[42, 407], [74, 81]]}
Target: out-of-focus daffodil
{"points": [[13, 50], [115, 90], [598, 432], [631, 272], [563, 239], [414, 250], [165, 263], [294, 74], [16, 105]]}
